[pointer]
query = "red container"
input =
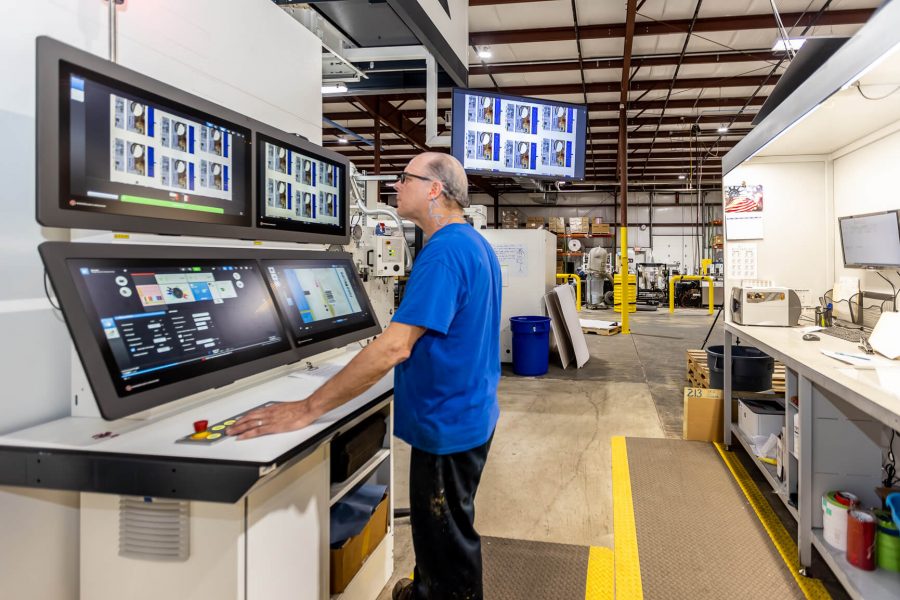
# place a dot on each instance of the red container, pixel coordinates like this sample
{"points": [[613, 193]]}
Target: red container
{"points": [[861, 525]]}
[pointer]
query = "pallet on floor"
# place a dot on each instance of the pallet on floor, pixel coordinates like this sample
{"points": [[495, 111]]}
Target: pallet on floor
{"points": [[698, 372], [610, 331]]}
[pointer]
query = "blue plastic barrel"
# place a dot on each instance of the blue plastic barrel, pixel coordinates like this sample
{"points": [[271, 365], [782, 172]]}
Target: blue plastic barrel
{"points": [[530, 345]]}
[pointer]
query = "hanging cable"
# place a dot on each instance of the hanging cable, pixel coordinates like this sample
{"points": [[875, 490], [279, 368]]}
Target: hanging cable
{"points": [[50, 297]]}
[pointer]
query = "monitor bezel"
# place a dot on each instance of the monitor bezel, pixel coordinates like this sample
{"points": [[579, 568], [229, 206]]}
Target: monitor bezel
{"points": [[310, 231], [55, 256], [457, 145], [895, 212], [50, 55]]}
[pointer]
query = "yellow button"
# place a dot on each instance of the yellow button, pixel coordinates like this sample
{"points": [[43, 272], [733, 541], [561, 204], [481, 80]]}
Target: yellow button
{"points": [[217, 428], [200, 436], [214, 436], [229, 422]]}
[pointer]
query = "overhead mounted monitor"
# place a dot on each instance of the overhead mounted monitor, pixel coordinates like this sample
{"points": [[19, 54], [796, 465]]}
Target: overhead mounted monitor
{"points": [[120, 151], [320, 298], [501, 135], [871, 241], [301, 187]]}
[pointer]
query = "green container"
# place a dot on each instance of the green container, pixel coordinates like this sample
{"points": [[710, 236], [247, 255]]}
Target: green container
{"points": [[887, 543]]}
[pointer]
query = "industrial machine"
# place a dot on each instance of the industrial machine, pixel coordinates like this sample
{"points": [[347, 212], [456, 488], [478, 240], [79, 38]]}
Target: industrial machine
{"points": [[773, 306], [598, 282], [652, 283]]}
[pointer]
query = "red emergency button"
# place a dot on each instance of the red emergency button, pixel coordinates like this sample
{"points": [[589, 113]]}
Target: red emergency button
{"points": [[200, 426]]}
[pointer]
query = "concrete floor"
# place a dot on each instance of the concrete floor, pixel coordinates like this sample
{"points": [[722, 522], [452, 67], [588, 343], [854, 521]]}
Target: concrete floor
{"points": [[548, 474]]}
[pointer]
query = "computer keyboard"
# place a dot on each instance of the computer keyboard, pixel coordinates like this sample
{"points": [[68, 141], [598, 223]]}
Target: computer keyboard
{"points": [[845, 333]]}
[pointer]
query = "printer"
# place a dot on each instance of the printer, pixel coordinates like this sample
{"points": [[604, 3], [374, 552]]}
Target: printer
{"points": [[774, 306]]}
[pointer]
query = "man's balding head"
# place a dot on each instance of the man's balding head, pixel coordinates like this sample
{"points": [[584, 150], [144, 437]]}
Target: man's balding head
{"points": [[446, 169]]}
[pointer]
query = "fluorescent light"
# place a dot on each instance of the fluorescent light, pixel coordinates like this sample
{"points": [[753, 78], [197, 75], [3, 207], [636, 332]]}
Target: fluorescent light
{"points": [[338, 88], [682, 177], [342, 140], [792, 43], [485, 53], [723, 129]]}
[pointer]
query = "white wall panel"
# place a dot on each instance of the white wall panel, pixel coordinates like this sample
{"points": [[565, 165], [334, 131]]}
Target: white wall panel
{"points": [[246, 55], [864, 183]]}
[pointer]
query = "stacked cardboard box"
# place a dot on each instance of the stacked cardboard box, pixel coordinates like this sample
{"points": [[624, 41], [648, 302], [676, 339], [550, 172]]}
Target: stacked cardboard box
{"points": [[598, 227], [578, 225], [557, 224], [535, 223], [509, 218]]}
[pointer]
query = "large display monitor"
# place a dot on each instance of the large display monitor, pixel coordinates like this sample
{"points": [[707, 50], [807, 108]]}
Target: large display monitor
{"points": [[497, 134], [320, 298], [301, 187], [871, 241], [157, 323]]}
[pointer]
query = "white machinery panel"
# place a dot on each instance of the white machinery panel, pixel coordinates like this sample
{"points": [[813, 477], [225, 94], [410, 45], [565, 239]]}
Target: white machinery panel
{"points": [[528, 265]]}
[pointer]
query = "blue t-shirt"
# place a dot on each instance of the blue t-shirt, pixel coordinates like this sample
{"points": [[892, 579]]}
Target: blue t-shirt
{"points": [[445, 393]]}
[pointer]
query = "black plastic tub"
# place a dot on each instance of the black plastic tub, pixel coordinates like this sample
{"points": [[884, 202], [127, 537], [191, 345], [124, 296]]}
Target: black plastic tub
{"points": [[751, 368]]}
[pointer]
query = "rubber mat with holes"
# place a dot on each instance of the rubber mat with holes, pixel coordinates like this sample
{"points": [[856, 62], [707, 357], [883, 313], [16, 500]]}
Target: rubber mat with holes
{"points": [[695, 533], [524, 570]]}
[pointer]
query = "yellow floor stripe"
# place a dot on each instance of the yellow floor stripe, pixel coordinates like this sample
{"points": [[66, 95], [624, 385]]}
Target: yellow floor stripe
{"points": [[599, 584], [628, 584], [811, 588]]}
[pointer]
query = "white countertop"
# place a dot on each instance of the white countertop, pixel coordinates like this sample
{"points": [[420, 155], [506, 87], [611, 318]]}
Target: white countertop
{"points": [[157, 437], [874, 391]]}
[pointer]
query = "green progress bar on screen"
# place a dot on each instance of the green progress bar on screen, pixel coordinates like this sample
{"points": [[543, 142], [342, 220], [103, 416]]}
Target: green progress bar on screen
{"points": [[170, 204]]}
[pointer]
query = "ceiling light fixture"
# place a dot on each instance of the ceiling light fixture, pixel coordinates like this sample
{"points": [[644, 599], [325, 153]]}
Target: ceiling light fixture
{"points": [[342, 139], [792, 43], [723, 129], [682, 177], [337, 88], [485, 52]]}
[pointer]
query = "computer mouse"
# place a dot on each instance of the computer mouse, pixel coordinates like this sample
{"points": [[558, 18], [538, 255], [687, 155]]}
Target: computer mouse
{"points": [[809, 337]]}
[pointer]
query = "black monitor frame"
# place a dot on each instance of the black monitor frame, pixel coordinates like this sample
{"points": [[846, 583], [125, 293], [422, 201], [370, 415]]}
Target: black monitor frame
{"points": [[111, 405], [49, 206], [312, 232], [459, 127], [894, 212]]}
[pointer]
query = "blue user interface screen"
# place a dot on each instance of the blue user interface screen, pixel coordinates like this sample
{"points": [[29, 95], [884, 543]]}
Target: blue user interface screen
{"points": [[159, 322], [318, 298]]}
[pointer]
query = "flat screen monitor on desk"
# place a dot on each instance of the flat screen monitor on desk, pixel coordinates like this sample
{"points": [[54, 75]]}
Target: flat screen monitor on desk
{"points": [[501, 135], [321, 299], [302, 188], [871, 241], [157, 324], [119, 150]]}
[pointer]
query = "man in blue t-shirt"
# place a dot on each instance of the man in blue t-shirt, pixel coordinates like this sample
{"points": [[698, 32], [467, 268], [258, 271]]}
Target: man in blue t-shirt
{"points": [[444, 346]]}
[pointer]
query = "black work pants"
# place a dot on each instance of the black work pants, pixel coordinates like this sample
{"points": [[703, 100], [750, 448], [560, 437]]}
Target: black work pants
{"points": [[442, 515]]}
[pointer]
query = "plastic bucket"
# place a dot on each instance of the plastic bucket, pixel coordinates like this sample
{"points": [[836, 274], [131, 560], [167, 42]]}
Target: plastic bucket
{"points": [[751, 368], [530, 345]]}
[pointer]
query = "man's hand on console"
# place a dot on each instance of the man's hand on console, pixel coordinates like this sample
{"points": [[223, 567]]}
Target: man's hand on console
{"points": [[278, 418]]}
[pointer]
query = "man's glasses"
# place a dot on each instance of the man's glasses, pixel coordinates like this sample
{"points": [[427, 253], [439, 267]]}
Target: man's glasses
{"points": [[402, 177]]}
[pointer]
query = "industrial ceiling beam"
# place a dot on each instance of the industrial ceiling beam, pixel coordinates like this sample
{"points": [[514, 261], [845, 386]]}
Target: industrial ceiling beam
{"points": [[498, 2], [597, 135], [687, 39], [718, 118], [642, 105], [677, 26], [616, 63]]}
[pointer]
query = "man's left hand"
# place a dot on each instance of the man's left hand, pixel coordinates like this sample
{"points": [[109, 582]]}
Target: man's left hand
{"points": [[278, 418]]}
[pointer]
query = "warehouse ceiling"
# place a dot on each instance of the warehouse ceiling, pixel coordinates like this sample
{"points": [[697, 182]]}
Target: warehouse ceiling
{"points": [[696, 68]]}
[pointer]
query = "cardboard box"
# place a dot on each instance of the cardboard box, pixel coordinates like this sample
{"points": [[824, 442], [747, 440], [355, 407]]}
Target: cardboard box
{"points": [[509, 218], [557, 224], [578, 225], [535, 223], [347, 560], [600, 229], [703, 414]]}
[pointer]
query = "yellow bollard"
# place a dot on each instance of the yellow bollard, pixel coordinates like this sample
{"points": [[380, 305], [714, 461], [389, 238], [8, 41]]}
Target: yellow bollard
{"points": [[675, 278], [577, 279]]}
